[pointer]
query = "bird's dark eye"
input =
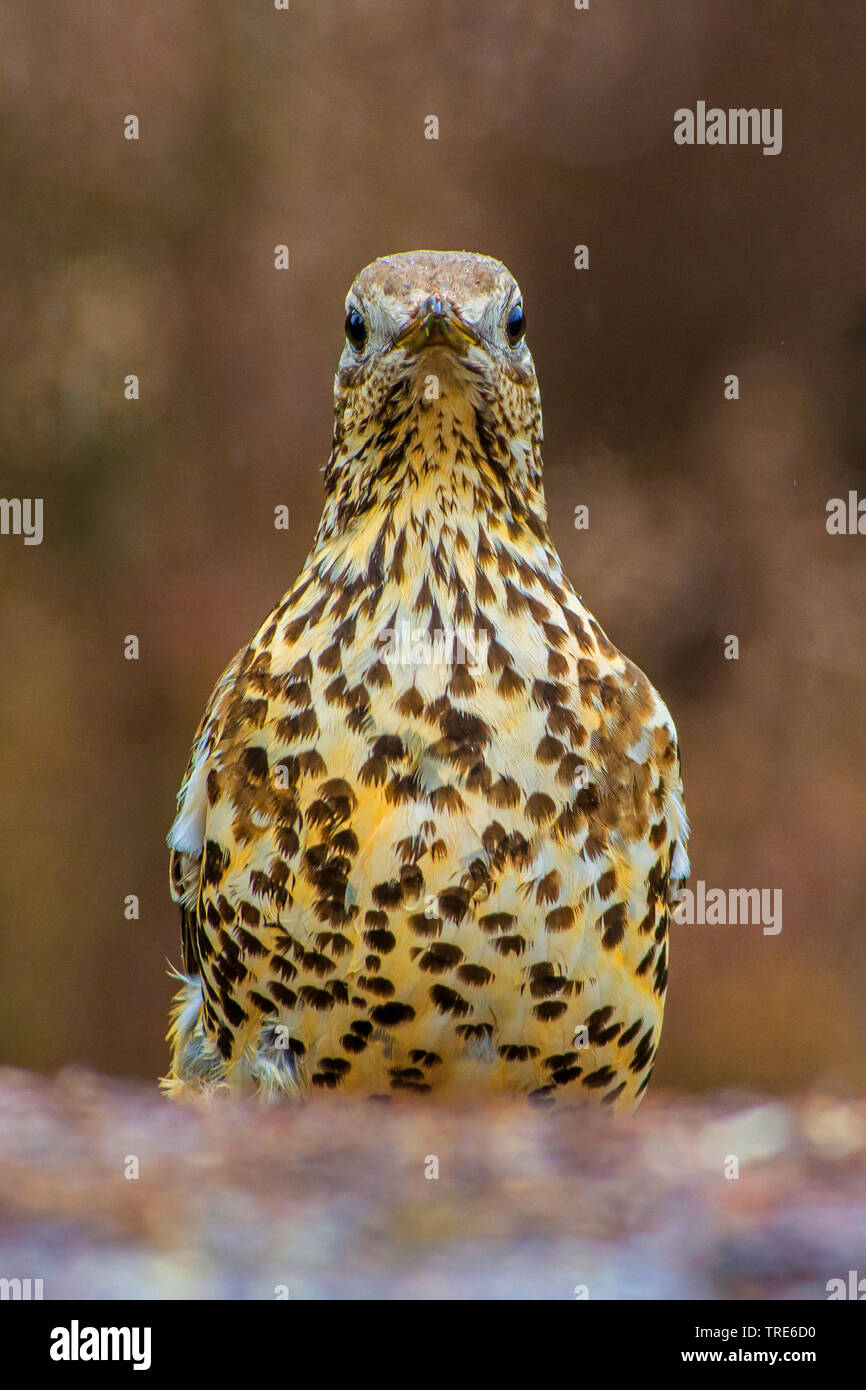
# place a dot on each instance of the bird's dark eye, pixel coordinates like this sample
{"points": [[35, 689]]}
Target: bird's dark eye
{"points": [[356, 329], [515, 325]]}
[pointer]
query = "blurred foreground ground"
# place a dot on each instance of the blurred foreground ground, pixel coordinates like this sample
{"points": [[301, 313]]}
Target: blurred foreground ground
{"points": [[330, 1200]]}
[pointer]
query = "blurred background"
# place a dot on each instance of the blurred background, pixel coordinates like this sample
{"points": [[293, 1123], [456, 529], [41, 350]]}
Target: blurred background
{"points": [[707, 516]]}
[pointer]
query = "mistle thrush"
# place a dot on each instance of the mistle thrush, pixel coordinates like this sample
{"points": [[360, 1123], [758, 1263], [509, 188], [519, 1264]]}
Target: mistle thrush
{"points": [[432, 822]]}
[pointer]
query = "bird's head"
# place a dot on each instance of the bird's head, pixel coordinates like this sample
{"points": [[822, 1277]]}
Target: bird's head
{"points": [[435, 378]]}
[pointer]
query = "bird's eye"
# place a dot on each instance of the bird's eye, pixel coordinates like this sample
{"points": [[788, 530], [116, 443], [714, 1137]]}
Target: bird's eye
{"points": [[356, 330], [515, 325]]}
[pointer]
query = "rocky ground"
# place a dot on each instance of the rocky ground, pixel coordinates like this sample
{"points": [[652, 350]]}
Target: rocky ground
{"points": [[340, 1200]]}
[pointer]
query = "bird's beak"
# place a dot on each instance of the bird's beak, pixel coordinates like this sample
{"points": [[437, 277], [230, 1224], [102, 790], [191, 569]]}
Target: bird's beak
{"points": [[436, 324]]}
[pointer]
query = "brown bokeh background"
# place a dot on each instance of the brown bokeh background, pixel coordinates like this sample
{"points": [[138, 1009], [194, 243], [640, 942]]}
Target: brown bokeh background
{"points": [[707, 517]]}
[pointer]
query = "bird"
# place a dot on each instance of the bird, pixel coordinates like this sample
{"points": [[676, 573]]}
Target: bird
{"points": [[432, 827]]}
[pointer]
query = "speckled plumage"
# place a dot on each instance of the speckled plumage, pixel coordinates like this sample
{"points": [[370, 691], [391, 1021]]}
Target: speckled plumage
{"points": [[409, 875]]}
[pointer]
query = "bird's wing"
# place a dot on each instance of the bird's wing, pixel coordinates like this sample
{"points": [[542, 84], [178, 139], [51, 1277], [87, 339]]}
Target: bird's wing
{"points": [[186, 837], [680, 868]]}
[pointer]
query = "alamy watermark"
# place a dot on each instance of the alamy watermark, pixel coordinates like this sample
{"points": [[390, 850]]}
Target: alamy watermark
{"points": [[852, 1288], [77, 1343], [405, 645], [732, 907], [22, 516], [846, 518], [735, 126], [21, 1289]]}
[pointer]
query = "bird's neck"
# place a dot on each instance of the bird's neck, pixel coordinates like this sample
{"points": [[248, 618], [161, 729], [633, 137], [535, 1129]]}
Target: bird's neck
{"points": [[426, 478], [433, 532], [441, 528]]}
